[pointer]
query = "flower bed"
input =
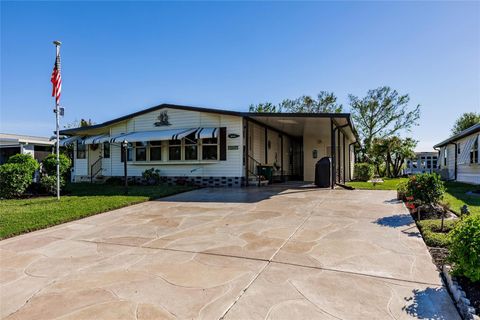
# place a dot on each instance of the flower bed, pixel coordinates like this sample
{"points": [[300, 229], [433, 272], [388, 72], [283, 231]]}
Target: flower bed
{"points": [[451, 241]]}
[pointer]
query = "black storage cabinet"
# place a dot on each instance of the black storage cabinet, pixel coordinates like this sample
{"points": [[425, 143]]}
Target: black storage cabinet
{"points": [[323, 176]]}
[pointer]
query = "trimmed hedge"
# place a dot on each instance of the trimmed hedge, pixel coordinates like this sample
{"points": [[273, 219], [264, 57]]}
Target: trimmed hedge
{"points": [[432, 234], [364, 171]]}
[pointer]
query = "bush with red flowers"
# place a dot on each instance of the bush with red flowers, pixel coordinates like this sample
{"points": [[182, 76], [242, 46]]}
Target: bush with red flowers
{"points": [[425, 189]]}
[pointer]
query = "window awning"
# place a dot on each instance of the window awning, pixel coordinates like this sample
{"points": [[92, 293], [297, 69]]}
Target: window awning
{"points": [[68, 141], [160, 135], [96, 139], [206, 133], [465, 152]]}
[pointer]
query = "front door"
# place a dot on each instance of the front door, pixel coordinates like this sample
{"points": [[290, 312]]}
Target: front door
{"points": [[94, 153]]}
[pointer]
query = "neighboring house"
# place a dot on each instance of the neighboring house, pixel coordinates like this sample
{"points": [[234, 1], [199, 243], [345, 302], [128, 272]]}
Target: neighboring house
{"points": [[213, 147], [424, 162], [459, 156], [11, 144]]}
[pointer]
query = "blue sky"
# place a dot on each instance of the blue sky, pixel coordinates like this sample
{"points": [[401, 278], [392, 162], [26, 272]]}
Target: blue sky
{"points": [[121, 57]]}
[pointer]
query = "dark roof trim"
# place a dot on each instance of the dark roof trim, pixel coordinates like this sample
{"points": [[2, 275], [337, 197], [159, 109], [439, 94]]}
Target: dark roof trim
{"points": [[472, 130], [209, 110]]}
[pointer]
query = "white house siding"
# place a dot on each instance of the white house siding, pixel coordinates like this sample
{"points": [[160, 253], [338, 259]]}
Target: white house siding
{"points": [[80, 165], [180, 119], [467, 172]]}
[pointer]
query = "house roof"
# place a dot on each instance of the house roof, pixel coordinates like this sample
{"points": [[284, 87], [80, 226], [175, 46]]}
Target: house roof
{"points": [[252, 115], [8, 138], [473, 129]]}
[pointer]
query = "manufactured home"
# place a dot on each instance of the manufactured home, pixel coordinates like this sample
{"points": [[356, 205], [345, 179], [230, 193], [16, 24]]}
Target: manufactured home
{"points": [[459, 156], [37, 147], [424, 162], [210, 147]]}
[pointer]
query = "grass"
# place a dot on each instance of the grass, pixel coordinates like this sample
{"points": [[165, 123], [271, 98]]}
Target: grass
{"points": [[432, 234], [83, 200], [388, 184], [456, 196], [456, 192]]}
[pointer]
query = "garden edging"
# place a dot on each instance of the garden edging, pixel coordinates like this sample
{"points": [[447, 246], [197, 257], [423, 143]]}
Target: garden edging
{"points": [[463, 304]]}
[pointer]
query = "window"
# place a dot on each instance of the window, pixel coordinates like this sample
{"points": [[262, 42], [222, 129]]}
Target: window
{"points": [[175, 150], [140, 151], [106, 150], [129, 153], [191, 149], [445, 154], [474, 152], [210, 149], [81, 150], [155, 150]]}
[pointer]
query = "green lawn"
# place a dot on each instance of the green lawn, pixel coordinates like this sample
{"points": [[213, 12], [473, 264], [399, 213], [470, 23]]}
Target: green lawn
{"points": [[20, 216], [388, 184], [457, 197], [456, 192]]}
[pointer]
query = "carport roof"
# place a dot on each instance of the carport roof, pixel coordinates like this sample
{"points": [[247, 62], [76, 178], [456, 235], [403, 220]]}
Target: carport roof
{"points": [[274, 118]]}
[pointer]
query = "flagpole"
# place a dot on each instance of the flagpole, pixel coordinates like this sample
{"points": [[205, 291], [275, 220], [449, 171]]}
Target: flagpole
{"points": [[57, 119]]}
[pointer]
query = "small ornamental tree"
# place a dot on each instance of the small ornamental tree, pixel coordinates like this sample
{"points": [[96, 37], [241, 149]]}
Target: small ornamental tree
{"points": [[426, 188], [465, 248]]}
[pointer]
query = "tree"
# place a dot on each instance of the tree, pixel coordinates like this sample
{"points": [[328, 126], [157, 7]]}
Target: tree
{"points": [[391, 152], [383, 112], [465, 121], [79, 124], [267, 107], [324, 102]]}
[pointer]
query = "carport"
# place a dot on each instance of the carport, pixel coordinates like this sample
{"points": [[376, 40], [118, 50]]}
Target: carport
{"points": [[312, 137]]}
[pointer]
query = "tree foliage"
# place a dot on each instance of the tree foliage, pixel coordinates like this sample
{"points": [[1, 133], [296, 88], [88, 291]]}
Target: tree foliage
{"points": [[325, 102], [392, 153], [382, 113], [79, 124], [465, 121]]}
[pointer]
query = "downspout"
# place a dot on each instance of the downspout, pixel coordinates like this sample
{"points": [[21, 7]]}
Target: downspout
{"points": [[343, 152]]}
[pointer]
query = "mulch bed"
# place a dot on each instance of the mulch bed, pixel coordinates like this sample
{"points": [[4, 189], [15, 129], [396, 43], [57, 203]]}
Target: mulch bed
{"points": [[439, 256]]}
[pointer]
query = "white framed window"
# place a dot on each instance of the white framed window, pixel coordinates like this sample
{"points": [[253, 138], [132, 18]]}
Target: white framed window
{"points": [[474, 152], [175, 150], [155, 150], [190, 147], [210, 149], [140, 151]]}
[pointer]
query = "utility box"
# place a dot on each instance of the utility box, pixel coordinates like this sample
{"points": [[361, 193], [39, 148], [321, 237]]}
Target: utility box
{"points": [[266, 171], [323, 173]]}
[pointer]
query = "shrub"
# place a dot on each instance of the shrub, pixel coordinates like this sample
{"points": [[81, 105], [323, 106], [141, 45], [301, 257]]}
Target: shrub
{"points": [[465, 248], [401, 190], [426, 188], [114, 181], [432, 233], [363, 171], [50, 164], [49, 183], [151, 176], [14, 179], [26, 161]]}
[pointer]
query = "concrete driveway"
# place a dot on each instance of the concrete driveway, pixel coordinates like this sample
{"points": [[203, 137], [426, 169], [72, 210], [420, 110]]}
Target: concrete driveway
{"points": [[257, 253]]}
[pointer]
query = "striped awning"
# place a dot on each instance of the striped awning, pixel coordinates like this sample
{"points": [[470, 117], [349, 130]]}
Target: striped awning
{"points": [[68, 141], [465, 152], [96, 139], [159, 135], [206, 133]]}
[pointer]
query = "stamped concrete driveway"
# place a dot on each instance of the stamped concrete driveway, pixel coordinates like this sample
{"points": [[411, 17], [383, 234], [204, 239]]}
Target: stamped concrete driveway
{"points": [[268, 253]]}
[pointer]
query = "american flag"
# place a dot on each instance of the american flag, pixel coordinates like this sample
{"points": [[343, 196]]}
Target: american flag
{"points": [[56, 79]]}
